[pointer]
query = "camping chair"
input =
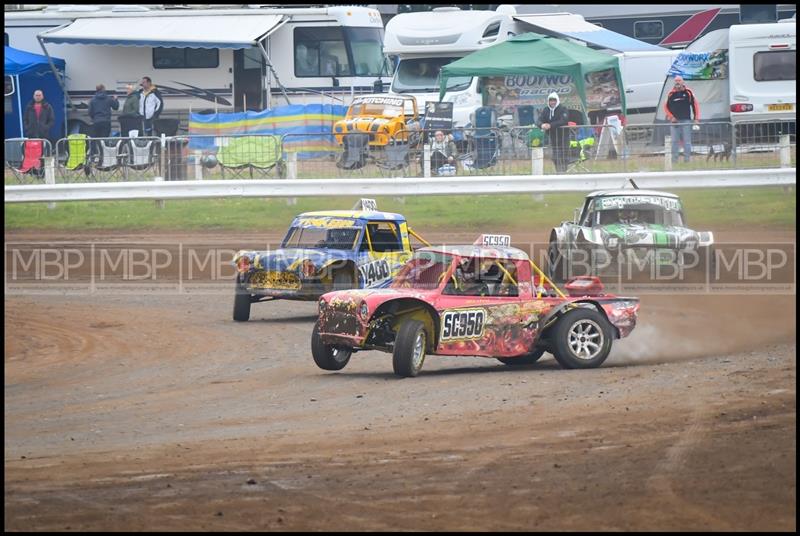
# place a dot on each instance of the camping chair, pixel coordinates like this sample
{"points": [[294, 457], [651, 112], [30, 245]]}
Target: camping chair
{"points": [[355, 151], [76, 157], [524, 120], [395, 158], [581, 143], [249, 153], [484, 149], [32, 151], [109, 157], [140, 154], [24, 157]]}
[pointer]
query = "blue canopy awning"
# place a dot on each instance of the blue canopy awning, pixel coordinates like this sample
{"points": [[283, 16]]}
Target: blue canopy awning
{"points": [[19, 61], [575, 27], [217, 31]]}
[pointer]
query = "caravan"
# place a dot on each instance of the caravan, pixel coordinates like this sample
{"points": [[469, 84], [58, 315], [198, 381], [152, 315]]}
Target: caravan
{"points": [[763, 72], [214, 59], [742, 75]]}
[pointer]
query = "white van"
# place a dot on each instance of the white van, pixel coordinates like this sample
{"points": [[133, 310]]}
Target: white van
{"points": [[643, 77], [424, 42], [763, 72]]}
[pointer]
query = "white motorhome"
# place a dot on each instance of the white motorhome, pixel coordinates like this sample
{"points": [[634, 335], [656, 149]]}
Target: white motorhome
{"points": [[424, 42], [763, 71], [218, 59]]}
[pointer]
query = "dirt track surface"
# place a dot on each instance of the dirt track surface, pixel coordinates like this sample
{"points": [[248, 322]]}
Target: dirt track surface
{"points": [[155, 411]]}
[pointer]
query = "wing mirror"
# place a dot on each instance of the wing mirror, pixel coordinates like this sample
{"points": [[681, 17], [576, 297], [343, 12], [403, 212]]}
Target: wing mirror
{"points": [[575, 215]]}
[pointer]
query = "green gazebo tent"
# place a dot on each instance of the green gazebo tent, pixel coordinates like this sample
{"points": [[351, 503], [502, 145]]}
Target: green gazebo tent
{"points": [[532, 54]]}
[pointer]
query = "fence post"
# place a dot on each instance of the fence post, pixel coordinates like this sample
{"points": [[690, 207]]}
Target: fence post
{"points": [[159, 202], [785, 152], [162, 163], [733, 144], [537, 161], [198, 165], [50, 174], [426, 160], [667, 153], [291, 165]]}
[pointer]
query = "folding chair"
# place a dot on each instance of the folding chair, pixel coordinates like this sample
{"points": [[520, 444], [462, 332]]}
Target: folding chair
{"points": [[355, 151], [581, 143], [141, 154], [395, 158], [26, 159], [484, 149], [76, 157], [33, 151], [248, 153], [110, 158]]}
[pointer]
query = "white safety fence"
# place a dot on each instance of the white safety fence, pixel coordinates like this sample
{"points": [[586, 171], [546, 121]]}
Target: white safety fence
{"points": [[371, 187]]}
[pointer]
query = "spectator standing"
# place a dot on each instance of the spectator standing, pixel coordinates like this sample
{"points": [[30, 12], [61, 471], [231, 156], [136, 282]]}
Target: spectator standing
{"points": [[150, 105], [39, 117], [100, 111], [129, 118], [443, 151], [681, 107], [551, 120]]}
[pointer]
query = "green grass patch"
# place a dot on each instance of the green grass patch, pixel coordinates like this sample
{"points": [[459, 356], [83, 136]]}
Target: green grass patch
{"points": [[704, 208]]}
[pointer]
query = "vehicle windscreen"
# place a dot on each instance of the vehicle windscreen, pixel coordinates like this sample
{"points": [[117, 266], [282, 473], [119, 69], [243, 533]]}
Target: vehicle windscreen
{"points": [[643, 214], [637, 208], [375, 109], [421, 75], [424, 271], [366, 44], [342, 234]]}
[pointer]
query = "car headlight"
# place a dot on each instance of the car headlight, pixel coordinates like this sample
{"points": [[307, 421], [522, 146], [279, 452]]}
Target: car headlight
{"points": [[363, 311], [613, 242], [322, 305]]}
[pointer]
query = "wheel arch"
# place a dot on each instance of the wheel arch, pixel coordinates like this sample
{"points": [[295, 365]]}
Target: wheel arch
{"points": [[402, 308], [547, 325]]}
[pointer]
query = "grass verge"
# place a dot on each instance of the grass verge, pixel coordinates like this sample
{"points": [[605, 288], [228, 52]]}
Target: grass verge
{"points": [[704, 209]]}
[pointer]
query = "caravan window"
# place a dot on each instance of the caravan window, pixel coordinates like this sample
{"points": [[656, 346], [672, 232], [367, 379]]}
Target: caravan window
{"points": [[417, 75], [775, 65], [320, 51], [185, 58], [648, 29], [366, 45]]}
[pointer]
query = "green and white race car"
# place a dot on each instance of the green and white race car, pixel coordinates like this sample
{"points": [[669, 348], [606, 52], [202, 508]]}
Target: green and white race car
{"points": [[624, 231]]}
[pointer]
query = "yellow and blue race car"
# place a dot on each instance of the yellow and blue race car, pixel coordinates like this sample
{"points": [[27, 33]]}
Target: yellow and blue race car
{"points": [[324, 251]]}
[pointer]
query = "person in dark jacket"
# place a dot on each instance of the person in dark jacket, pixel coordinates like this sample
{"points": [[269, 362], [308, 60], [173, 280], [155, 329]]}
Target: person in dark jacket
{"points": [[100, 111], [681, 106], [551, 120], [129, 118], [39, 117]]}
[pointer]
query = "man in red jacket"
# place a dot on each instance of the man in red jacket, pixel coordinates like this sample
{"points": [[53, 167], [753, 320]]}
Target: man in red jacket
{"points": [[681, 106]]}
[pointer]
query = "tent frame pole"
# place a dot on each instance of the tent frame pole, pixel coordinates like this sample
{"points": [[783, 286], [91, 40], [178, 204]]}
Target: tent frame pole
{"points": [[39, 37]]}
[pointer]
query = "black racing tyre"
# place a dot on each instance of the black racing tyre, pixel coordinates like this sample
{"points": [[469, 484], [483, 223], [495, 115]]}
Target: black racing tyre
{"points": [[409, 349], [241, 303], [555, 263], [328, 357], [527, 359], [581, 339], [342, 280]]}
